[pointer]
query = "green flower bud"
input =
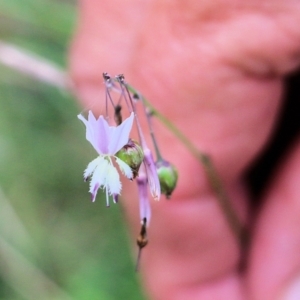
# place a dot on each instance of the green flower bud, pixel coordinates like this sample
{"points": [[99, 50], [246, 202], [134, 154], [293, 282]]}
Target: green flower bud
{"points": [[133, 155], [168, 176]]}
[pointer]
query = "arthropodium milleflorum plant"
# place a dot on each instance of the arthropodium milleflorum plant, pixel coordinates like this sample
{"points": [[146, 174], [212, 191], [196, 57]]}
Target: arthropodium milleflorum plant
{"points": [[45, 71], [135, 160]]}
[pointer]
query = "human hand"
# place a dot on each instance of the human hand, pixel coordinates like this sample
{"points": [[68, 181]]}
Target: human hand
{"points": [[216, 69]]}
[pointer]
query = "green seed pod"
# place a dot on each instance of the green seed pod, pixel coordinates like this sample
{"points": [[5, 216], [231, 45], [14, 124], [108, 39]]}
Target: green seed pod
{"points": [[133, 155], [168, 176]]}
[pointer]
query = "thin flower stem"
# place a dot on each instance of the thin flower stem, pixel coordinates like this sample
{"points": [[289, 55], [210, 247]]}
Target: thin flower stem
{"points": [[157, 151], [214, 179], [138, 259], [149, 114], [120, 79]]}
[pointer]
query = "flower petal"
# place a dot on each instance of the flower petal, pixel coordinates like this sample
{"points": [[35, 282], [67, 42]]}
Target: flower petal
{"points": [[120, 135], [90, 125], [115, 198], [145, 209], [94, 193], [102, 136], [97, 132], [113, 183], [91, 119], [91, 167], [81, 118], [126, 170], [99, 176], [152, 176]]}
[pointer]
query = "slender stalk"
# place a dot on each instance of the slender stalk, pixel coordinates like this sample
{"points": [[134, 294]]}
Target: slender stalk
{"points": [[138, 259], [214, 179], [157, 151], [149, 114]]}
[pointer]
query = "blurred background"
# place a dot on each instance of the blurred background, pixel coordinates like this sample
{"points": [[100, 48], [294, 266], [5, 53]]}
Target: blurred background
{"points": [[54, 243]]}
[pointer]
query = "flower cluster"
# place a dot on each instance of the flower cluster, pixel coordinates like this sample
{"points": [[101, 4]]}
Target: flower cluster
{"points": [[114, 146]]}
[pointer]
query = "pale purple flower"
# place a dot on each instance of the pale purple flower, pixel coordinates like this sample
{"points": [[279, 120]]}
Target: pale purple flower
{"points": [[145, 209], [107, 141], [153, 180], [151, 172]]}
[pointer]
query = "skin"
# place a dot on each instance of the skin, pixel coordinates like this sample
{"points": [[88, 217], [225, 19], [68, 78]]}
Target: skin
{"points": [[216, 69]]}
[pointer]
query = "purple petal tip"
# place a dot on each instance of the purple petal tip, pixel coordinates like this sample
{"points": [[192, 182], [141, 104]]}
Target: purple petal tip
{"points": [[116, 198]]}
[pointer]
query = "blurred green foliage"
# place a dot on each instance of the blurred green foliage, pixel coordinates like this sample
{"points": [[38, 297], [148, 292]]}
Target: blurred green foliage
{"points": [[54, 243]]}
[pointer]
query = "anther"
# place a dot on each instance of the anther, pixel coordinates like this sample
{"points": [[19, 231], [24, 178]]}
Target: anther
{"points": [[106, 76], [118, 115]]}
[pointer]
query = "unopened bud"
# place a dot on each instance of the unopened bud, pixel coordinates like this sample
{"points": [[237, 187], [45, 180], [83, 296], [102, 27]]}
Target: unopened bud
{"points": [[168, 176], [133, 155]]}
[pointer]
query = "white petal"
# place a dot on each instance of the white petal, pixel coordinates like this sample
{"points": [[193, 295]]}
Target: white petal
{"points": [[113, 183], [126, 170], [91, 167], [99, 176]]}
